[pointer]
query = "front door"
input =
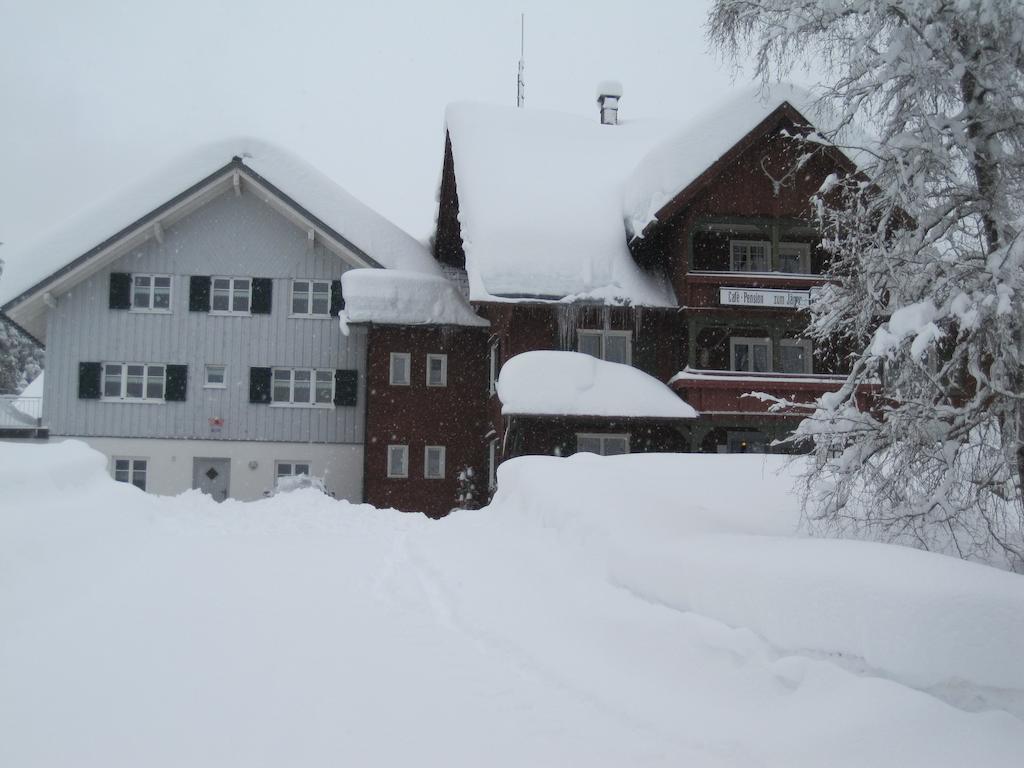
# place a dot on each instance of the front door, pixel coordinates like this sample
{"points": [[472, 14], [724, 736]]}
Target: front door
{"points": [[212, 476]]}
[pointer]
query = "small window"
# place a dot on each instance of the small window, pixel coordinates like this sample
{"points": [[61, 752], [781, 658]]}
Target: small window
{"points": [[231, 295], [134, 381], [216, 377], [613, 346], [131, 471], [151, 293], [754, 355], [302, 387], [795, 355], [291, 469], [493, 367], [795, 258], [492, 464], [750, 255], [400, 364], [602, 445], [433, 462], [437, 370], [311, 298], [398, 461]]}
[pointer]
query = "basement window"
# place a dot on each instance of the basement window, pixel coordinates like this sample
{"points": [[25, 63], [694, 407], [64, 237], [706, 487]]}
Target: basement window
{"points": [[602, 445]]}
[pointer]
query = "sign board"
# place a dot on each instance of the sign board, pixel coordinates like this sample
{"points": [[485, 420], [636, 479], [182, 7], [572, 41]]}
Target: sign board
{"points": [[766, 298]]}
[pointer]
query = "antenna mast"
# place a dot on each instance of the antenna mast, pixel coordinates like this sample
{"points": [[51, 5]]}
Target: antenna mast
{"points": [[520, 85]]}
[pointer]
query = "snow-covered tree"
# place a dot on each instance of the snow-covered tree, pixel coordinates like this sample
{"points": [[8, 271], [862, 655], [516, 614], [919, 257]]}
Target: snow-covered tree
{"points": [[21, 359], [927, 259]]}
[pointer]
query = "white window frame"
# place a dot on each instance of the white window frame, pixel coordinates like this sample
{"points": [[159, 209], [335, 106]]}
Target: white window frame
{"points": [[310, 282], [124, 397], [426, 462], [735, 341], [152, 291], [291, 402], [803, 250], [604, 334], [292, 464], [444, 370], [231, 296], [405, 461], [408, 369], [207, 384], [494, 366], [131, 470], [747, 244], [808, 349], [601, 437]]}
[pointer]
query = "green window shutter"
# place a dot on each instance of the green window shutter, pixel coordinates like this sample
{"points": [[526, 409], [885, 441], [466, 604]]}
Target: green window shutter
{"points": [[346, 387], [89, 380], [337, 298], [262, 295], [120, 290], [199, 293], [177, 383], [259, 385]]}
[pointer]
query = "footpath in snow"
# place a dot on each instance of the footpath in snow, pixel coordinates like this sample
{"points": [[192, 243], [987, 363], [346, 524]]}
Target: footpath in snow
{"points": [[633, 610]]}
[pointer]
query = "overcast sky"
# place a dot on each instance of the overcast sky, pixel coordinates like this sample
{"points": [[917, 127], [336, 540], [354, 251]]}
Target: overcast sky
{"points": [[97, 94]]}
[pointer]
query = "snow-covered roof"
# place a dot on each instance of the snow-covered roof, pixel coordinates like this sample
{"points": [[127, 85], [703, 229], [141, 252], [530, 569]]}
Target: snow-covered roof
{"points": [[398, 297], [677, 161], [320, 196], [573, 384], [540, 204]]}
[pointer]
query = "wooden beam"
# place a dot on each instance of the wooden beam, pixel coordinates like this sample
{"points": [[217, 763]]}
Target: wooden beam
{"points": [[236, 181], [158, 232]]}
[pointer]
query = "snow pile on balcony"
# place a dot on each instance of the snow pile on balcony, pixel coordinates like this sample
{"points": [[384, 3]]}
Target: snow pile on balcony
{"points": [[574, 384], [308, 187], [396, 297], [602, 612], [540, 204], [676, 162]]}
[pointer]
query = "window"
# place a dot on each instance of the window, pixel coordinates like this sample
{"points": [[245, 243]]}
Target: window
{"points": [[134, 381], [494, 367], [400, 363], [795, 355], [492, 464], [613, 346], [795, 258], [753, 355], [746, 442], [433, 462], [302, 386], [291, 469], [131, 471], [151, 293], [216, 377], [311, 298], [602, 445], [437, 370], [398, 461], [750, 255], [232, 295]]}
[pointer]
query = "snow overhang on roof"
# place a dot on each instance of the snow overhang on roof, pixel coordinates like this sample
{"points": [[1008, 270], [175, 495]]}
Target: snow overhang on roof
{"points": [[396, 297], [682, 158], [546, 383], [111, 229], [540, 205]]}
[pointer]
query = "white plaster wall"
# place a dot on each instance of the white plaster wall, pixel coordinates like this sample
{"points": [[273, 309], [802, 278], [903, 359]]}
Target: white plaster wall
{"points": [[170, 463]]}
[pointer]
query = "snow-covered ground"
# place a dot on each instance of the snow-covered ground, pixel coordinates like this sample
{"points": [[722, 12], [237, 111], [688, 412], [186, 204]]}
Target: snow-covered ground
{"points": [[632, 610]]}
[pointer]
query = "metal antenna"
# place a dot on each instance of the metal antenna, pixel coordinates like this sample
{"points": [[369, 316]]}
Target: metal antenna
{"points": [[520, 85]]}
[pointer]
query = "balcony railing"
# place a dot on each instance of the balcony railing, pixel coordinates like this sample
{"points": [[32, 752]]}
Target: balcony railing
{"points": [[17, 412], [725, 392]]}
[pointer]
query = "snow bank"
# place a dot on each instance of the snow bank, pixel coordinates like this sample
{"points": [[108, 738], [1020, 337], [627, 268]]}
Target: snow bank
{"points": [[300, 630], [677, 161], [574, 384], [540, 204], [404, 298], [367, 229]]}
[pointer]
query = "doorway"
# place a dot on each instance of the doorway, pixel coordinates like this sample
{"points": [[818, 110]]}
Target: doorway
{"points": [[212, 476]]}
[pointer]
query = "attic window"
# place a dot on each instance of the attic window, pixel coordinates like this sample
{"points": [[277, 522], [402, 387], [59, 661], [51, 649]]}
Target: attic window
{"points": [[151, 293]]}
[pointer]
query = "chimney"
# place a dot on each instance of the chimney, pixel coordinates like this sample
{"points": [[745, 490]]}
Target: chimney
{"points": [[608, 94]]}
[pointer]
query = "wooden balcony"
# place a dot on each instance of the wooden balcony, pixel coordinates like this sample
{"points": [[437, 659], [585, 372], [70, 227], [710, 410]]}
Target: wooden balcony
{"points": [[758, 291], [720, 393]]}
